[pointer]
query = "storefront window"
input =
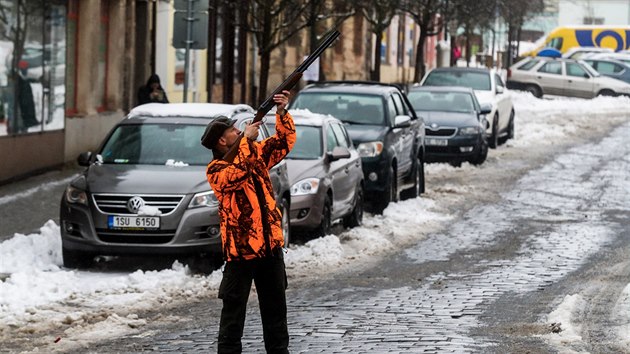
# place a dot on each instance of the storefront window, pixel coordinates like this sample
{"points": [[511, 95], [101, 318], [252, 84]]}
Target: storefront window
{"points": [[32, 65]]}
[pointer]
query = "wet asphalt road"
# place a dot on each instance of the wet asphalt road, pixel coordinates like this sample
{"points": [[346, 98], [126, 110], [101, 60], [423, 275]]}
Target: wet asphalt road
{"points": [[555, 225]]}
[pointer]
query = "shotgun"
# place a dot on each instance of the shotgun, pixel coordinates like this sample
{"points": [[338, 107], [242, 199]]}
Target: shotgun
{"points": [[288, 84]]}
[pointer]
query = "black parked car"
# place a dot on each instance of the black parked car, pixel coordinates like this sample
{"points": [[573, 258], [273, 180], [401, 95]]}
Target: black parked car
{"points": [[455, 124], [144, 192], [384, 129]]}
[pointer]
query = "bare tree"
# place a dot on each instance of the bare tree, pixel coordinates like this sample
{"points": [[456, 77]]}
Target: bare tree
{"points": [[273, 22], [379, 14], [424, 13], [472, 16], [515, 13]]}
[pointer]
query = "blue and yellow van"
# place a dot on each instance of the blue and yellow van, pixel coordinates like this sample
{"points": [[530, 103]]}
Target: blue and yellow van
{"points": [[564, 38]]}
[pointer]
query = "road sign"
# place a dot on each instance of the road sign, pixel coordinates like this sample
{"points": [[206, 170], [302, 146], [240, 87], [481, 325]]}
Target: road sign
{"points": [[198, 31], [197, 5]]}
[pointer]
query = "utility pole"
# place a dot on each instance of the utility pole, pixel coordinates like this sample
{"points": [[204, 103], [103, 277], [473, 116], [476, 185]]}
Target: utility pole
{"points": [[190, 30]]}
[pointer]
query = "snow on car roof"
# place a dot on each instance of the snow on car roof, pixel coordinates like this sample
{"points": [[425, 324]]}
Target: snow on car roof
{"points": [[306, 117], [204, 110]]}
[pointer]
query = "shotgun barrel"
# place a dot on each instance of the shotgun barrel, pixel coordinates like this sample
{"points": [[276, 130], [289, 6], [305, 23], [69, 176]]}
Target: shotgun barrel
{"points": [[287, 84]]}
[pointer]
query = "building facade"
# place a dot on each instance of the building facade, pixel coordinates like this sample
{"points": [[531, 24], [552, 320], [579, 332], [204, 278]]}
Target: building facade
{"points": [[70, 69]]}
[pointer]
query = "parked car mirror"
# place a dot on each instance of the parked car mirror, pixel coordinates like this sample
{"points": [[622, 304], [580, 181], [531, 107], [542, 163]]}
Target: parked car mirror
{"points": [[84, 158], [338, 153], [587, 76], [402, 122], [486, 108], [500, 89]]}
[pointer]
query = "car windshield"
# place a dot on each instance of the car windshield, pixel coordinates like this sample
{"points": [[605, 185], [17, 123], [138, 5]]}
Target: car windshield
{"points": [[474, 80], [156, 144], [347, 107], [441, 101], [308, 143]]}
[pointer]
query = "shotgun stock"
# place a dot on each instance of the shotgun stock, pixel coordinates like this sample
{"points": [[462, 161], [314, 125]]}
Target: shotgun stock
{"points": [[287, 84]]}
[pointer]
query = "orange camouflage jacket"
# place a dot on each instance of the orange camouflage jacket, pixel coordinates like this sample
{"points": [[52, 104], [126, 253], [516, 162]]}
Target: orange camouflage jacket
{"points": [[241, 185]]}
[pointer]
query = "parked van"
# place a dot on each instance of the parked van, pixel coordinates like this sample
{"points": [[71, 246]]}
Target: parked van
{"points": [[564, 38]]}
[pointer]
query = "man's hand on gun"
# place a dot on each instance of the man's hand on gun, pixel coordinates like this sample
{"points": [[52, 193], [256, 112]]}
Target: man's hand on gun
{"points": [[251, 130], [281, 100]]}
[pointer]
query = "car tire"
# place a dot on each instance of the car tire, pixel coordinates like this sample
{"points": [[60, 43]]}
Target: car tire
{"points": [[606, 92], [76, 260], [204, 263], [325, 226], [390, 194], [482, 153], [355, 218], [493, 141], [510, 134], [286, 222], [418, 182], [534, 90], [510, 130]]}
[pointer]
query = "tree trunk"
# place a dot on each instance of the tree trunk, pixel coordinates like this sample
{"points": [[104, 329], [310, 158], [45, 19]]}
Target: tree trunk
{"points": [[420, 66], [265, 59], [376, 71]]}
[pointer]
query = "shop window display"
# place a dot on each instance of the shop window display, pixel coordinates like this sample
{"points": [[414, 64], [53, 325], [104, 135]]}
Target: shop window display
{"points": [[32, 66]]}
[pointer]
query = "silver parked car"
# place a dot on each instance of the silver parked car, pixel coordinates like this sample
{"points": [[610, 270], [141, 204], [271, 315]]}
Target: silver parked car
{"points": [[563, 77], [325, 173], [144, 192]]}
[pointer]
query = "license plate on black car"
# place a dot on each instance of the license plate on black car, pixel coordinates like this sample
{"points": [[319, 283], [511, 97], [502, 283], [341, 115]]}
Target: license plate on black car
{"points": [[133, 222], [436, 142]]}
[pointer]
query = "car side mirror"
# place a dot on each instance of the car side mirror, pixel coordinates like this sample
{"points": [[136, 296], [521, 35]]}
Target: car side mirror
{"points": [[486, 108], [402, 121], [84, 158], [500, 90], [587, 76], [338, 153]]}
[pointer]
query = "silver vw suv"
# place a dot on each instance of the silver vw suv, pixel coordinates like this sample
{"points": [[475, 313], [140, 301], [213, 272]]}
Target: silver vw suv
{"points": [[144, 192]]}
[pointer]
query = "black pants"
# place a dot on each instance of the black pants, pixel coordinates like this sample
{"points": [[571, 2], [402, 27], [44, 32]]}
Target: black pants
{"points": [[270, 279]]}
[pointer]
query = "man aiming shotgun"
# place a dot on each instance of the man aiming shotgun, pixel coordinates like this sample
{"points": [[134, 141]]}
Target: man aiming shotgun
{"points": [[251, 229]]}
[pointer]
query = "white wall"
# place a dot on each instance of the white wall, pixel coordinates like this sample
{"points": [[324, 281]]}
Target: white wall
{"points": [[573, 12]]}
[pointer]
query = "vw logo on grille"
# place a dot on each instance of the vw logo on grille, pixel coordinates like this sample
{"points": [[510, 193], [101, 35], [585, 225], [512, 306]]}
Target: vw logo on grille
{"points": [[434, 126], [134, 204]]}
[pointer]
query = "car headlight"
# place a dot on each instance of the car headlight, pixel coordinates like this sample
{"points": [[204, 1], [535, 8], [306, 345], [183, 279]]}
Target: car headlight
{"points": [[305, 186], [75, 195], [370, 149], [469, 131], [204, 199]]}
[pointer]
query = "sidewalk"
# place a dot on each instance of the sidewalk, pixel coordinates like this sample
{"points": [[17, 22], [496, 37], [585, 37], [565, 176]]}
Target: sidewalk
{"points": [[27, 204]]}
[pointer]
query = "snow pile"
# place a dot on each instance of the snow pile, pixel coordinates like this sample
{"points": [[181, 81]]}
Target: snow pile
{"points": [[173, 163], [567, 314], [547, 121], [33, 253], [147, 210]]}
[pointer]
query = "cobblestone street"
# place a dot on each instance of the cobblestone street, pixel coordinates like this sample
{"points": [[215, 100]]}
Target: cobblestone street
{"points": [[483, 285]]}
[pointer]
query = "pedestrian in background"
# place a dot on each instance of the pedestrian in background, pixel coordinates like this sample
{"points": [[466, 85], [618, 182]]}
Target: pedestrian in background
{"points": [[152, 92], [251, 226]]}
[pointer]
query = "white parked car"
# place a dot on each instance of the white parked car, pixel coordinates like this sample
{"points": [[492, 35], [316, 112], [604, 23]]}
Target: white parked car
{"points": [[489, 89], [579, 52]]}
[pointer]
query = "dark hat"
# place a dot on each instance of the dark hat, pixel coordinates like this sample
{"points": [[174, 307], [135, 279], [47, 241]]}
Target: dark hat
{"points": [[215, 130]]}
